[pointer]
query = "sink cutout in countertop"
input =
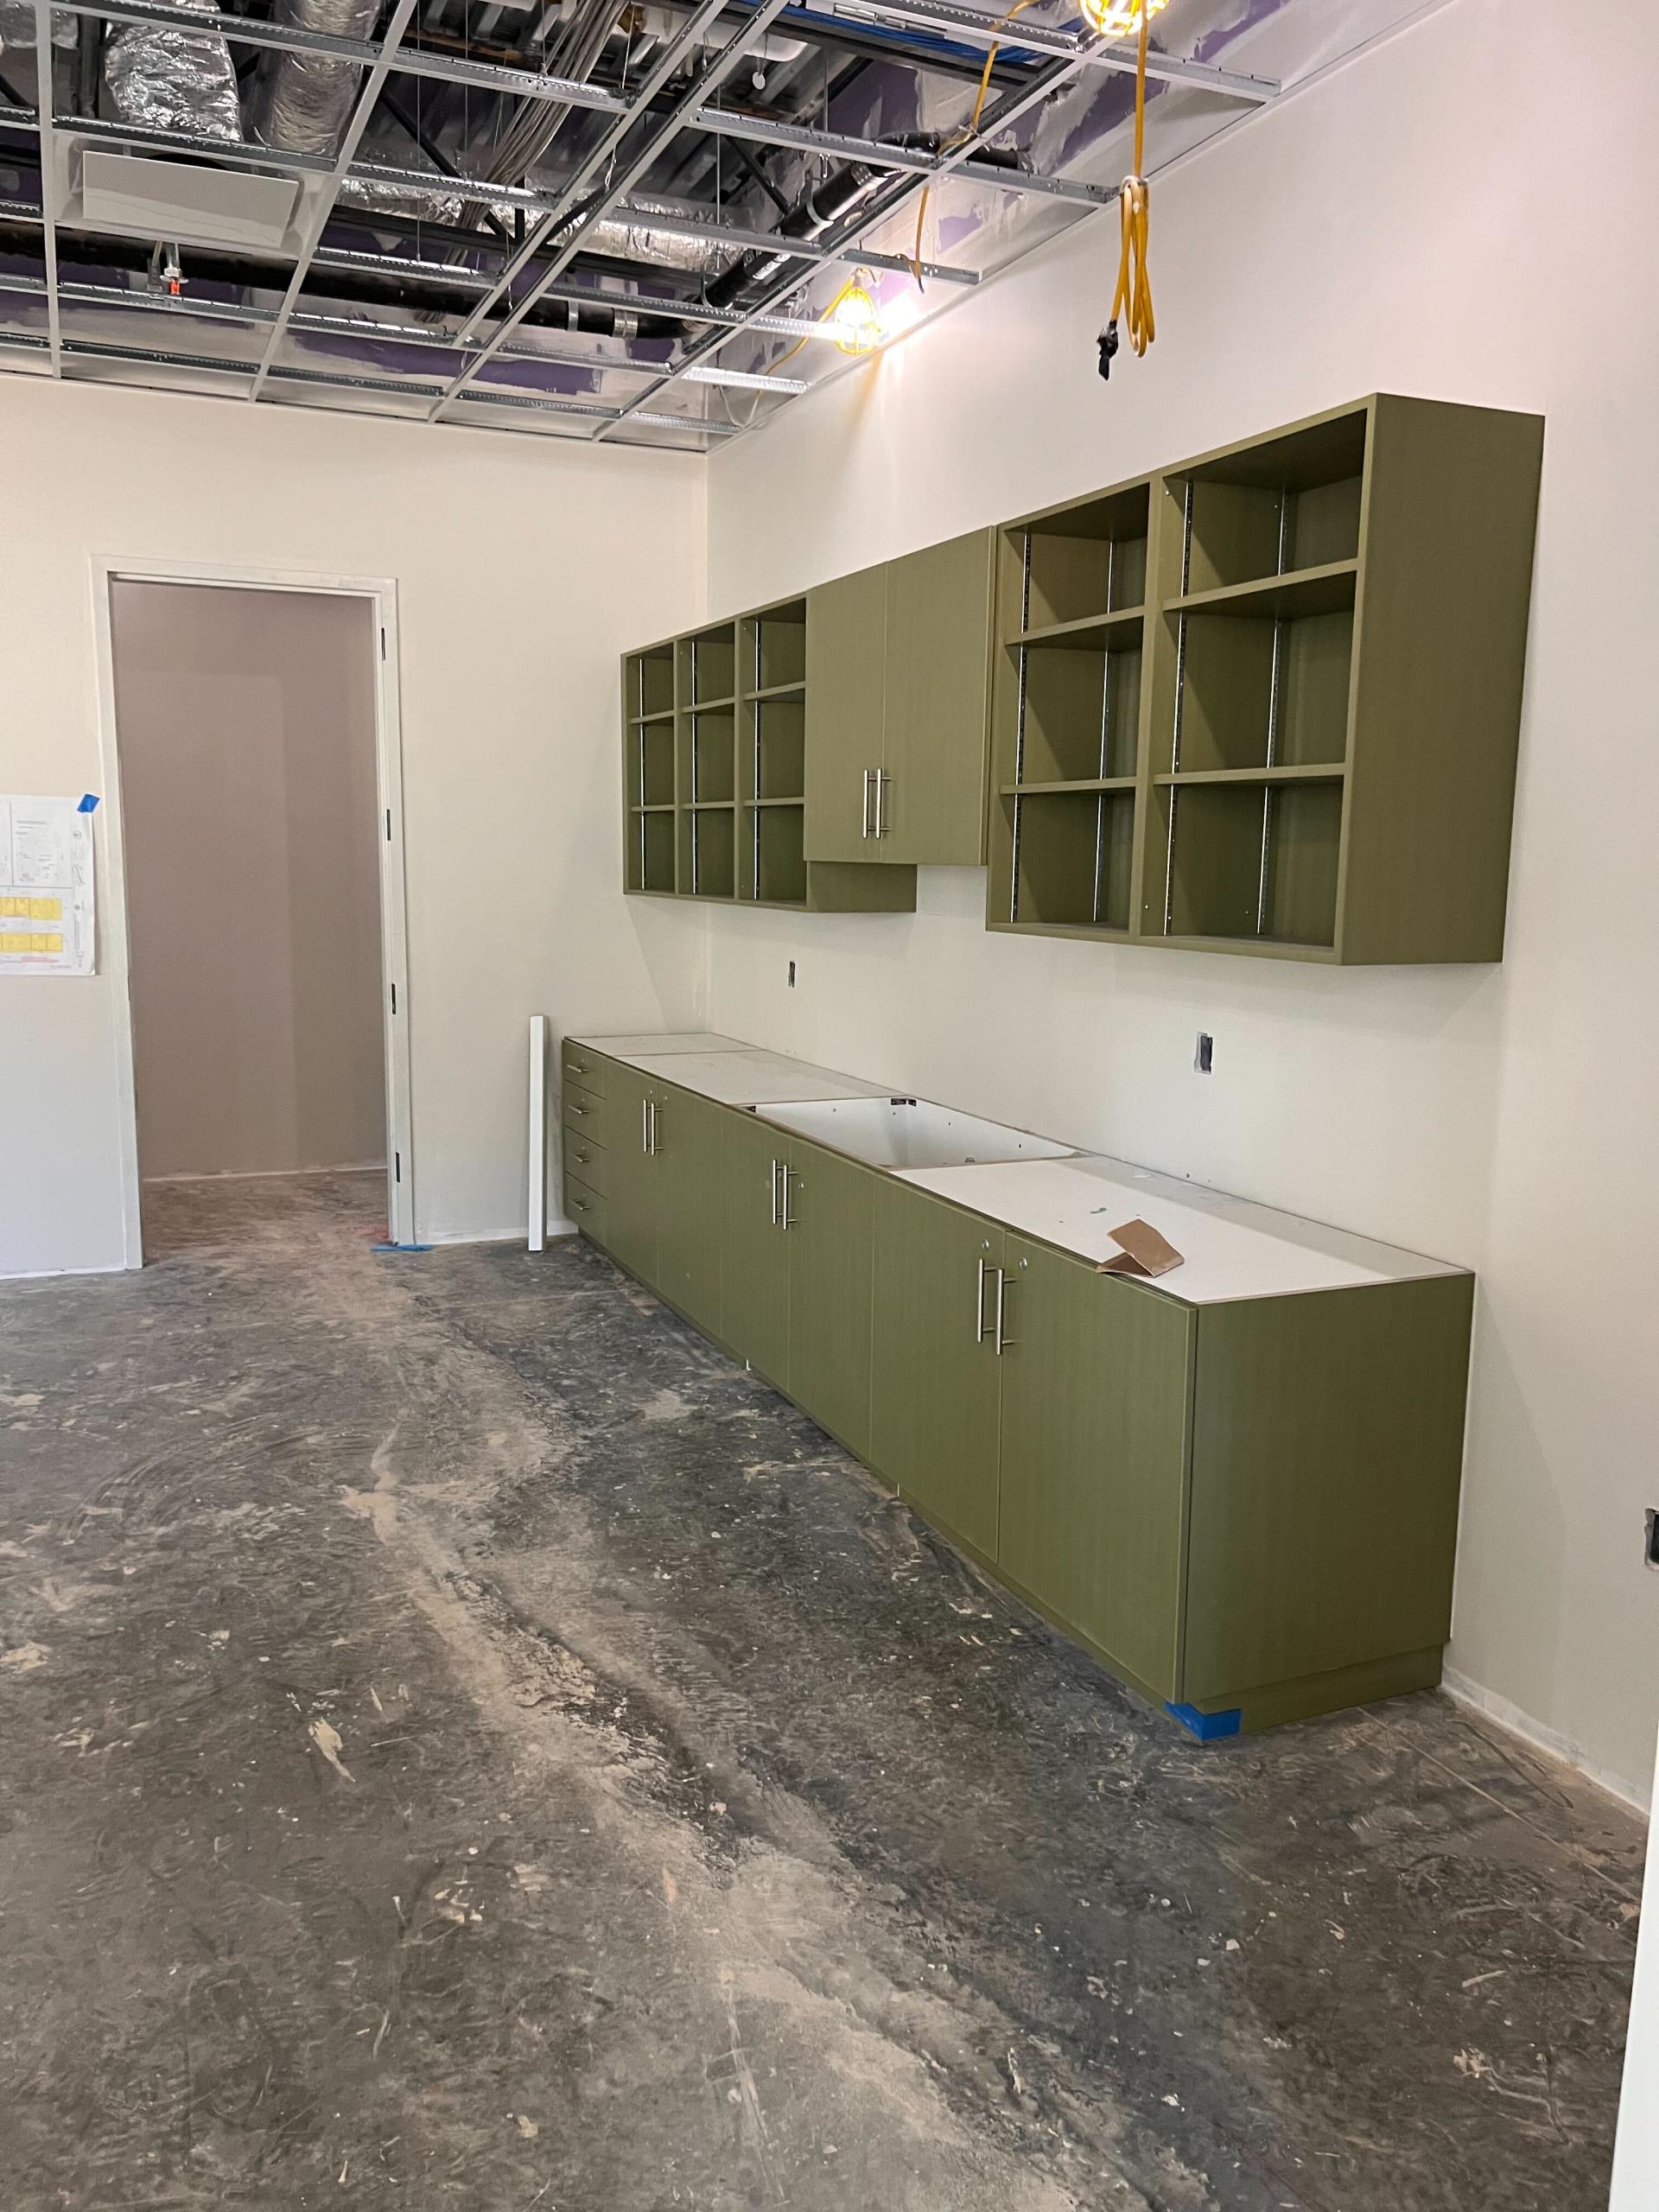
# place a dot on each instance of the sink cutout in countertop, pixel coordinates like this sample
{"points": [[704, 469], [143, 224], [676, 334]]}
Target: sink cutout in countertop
{"points": [[910, 1133]]}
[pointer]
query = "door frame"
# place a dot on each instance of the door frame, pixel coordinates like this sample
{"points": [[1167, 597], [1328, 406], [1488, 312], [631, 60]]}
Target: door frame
{"points": [[382, 593]]}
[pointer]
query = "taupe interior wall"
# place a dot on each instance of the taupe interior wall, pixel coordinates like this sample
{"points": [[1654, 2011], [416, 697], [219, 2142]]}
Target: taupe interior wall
{"points": [[246, 730]]}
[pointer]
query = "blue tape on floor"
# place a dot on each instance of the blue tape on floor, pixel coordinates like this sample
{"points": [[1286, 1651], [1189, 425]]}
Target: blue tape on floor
{"points": [[400, 1248], [1207, 1727]]}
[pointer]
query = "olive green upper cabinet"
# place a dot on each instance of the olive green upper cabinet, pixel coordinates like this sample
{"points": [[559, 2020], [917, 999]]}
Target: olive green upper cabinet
{"points": [[1268, 700], [897, 707], [717, 782], [846, 712]]}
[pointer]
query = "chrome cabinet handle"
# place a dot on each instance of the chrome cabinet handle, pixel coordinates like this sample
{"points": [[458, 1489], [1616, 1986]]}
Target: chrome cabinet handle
{"points": [[574, 1109], [1001, 1294], [581, 1204], [865, 829], [644, 1125], [651, 1147], [790, 1178], [979, 1301], [882, 781], [773, 1186]]}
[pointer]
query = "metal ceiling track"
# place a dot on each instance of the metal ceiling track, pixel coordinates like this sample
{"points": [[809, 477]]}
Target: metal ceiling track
{"points": [[639, 132]]}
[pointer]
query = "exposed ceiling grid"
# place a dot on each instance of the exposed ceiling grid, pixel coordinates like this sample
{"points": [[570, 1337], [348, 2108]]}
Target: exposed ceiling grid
{"points": [[549, 240]]}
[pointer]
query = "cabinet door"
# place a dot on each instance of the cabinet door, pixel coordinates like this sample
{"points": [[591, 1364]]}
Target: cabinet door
{"points": [[939, 703], [846, 694], [936, 1380], [754, 1253], [829, 1215], [1096, 1379], [685, 1190], [630, 1209]]}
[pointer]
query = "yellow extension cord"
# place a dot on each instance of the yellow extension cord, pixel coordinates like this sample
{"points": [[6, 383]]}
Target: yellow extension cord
{"points": [[1134, 294], [1133, 298]]}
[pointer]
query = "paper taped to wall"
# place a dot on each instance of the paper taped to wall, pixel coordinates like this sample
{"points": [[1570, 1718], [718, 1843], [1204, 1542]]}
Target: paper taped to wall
{"points": [[46, 886]]}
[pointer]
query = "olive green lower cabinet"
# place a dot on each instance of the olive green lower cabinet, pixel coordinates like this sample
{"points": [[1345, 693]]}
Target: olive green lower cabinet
{"points": [[1249, 1509], [1245, 1504]]}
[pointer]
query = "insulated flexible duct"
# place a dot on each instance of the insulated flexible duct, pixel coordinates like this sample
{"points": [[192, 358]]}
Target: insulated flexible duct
{"points": [[302, 102], [173, 80]]}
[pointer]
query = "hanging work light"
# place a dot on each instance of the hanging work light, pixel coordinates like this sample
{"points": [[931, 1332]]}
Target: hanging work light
{"points": [[1112, 18], [855, 316]]}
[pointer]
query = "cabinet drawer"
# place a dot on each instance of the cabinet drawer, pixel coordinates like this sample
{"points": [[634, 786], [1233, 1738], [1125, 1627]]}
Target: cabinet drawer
{"points": [[586, 1208], [584, 1158], [577, 1065], [584, 1110]]}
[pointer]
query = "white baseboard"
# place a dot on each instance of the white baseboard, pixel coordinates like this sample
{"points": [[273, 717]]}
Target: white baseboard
{"points": [[59, 1275], [1542, 1738]]}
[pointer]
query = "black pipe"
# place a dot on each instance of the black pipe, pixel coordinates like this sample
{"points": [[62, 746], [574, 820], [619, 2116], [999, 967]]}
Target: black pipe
{"points": [[89, 63], [359, 287], [823, 206], [748, 162]]}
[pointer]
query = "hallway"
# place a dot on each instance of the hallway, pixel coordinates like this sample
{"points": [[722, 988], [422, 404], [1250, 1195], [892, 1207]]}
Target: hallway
{"points": [[468, 1746]]}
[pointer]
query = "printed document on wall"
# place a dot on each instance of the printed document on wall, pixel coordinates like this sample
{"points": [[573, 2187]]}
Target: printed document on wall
{"points": [[46, 886]]}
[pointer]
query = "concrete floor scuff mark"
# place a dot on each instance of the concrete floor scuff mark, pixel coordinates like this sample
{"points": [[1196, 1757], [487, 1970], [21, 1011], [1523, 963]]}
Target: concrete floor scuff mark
{"points": [[673, 1821]]}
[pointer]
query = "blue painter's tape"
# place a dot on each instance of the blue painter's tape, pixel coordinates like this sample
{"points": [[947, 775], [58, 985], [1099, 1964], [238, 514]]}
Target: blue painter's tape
{"points": [[89, 801], [400, 1248], [1207, 1727]]}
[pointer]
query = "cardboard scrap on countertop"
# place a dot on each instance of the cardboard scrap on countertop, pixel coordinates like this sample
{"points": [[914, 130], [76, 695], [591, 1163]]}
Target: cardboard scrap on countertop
{"points": [[1144, 1253]]}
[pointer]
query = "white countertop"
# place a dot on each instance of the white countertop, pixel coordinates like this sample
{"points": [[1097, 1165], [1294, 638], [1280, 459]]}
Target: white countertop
{"points": [[1231, 1247], [724, 1068], [629, 1045]]}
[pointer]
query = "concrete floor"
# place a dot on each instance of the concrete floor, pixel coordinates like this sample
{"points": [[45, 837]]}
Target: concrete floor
{"points": [[465, 1745]]}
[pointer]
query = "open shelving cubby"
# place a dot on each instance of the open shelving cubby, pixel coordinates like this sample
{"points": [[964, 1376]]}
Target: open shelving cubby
{"points": [[1066, 718], [650, 770], [772, 721], [1256, 580]]}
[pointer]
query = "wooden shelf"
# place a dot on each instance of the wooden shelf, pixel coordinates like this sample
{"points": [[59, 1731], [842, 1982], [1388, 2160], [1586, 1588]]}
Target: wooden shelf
{"points": [[709, 805], [1286, 772], [1108, 632], [1267, 947], [714, 706], [793, 800], [645, 721], [1327, 589], [1084, 784], [795, 690]]}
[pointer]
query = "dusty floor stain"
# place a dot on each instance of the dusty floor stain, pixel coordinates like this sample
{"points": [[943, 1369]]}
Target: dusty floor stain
{"points": [[468, 1746]]}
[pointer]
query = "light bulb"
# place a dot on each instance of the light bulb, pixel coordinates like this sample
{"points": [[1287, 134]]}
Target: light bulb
{"points": [[1113, 18], [856, 318]]}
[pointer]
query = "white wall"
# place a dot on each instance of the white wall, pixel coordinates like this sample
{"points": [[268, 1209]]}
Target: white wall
{"points": [[1402, 226], [523, 569]]}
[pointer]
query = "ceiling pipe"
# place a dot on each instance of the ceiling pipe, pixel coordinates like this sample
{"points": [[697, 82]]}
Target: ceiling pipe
{"points": [[361, 287]]}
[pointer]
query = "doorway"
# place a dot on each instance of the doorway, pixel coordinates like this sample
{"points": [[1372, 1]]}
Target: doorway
{"points": [[259, 837]]}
